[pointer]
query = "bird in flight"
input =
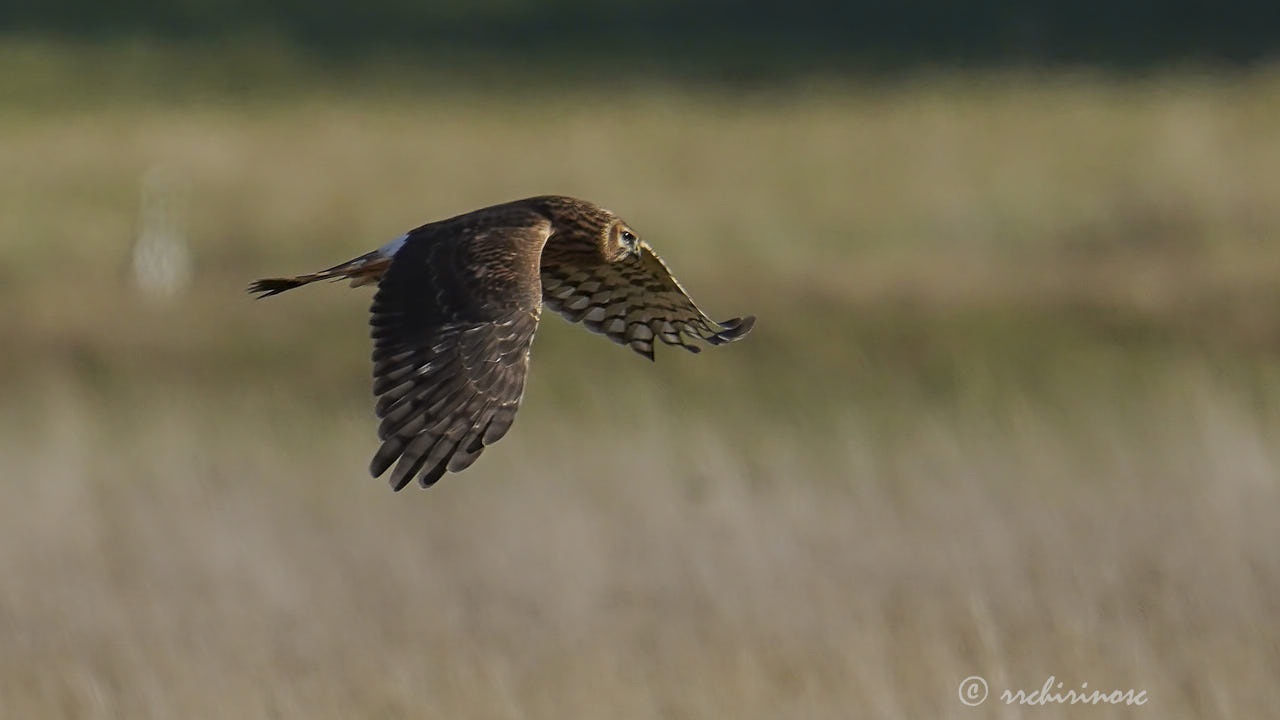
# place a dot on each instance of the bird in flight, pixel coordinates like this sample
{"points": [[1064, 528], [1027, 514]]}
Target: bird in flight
{"points": [[457, 305]]}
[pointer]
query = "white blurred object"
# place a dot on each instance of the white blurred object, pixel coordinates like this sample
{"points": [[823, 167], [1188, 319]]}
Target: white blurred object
{"points": [[161, 257]]}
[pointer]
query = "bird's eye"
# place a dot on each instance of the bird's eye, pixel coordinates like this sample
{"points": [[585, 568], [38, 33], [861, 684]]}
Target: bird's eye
{"points": [[628, 237]]}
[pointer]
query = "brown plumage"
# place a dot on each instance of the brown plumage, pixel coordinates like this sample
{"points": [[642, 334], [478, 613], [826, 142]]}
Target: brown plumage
{"points": [[457, 305]]}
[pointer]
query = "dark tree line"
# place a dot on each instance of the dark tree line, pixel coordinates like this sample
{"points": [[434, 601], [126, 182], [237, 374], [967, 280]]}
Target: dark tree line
{"points": [[746, 35]]}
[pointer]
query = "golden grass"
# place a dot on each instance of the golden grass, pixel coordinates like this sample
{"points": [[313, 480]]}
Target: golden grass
{"points": [[197, 558], [1010, 409]]}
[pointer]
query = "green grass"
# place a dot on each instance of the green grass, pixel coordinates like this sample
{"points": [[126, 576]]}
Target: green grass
{"points": [[1010, 409]]}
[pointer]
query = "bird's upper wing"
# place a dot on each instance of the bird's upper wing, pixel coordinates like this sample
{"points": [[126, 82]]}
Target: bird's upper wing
{"points": [[632, 301], [453, 320]]}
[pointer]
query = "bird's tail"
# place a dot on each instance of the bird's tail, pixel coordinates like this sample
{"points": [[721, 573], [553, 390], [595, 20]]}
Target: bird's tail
{"points": [[267, 287], [363, 270]]}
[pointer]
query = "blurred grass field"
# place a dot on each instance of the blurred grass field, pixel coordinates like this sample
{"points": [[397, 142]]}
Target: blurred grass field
{"points": [[1011, 408]]}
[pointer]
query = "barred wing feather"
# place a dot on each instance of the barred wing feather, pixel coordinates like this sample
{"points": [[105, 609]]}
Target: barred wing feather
{"points": [[632, 302]]}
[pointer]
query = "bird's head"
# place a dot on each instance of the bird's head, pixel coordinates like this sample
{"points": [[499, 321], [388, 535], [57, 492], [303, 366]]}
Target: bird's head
{"points": [[620, 241], [589, 227]]}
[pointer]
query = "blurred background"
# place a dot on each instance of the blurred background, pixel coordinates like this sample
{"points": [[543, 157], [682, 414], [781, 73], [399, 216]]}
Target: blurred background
{"points": [[1011, 409]]}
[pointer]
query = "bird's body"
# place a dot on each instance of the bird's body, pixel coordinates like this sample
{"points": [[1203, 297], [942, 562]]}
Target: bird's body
{"points": [[457, 306]]}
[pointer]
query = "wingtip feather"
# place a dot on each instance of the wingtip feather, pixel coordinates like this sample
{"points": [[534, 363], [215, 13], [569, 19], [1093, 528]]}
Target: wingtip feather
{"points": [[734, 329]]}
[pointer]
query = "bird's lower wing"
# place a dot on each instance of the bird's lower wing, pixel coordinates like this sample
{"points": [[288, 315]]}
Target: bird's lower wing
{"points": [[450, 356], [632, 302], [442, 402]]}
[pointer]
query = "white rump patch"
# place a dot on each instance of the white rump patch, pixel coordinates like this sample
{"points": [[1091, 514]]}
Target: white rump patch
{"points": [[393, 247]]}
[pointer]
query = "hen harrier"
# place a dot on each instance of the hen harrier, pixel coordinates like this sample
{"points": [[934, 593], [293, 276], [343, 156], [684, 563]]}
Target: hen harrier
{"points": [[458, 302]]}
